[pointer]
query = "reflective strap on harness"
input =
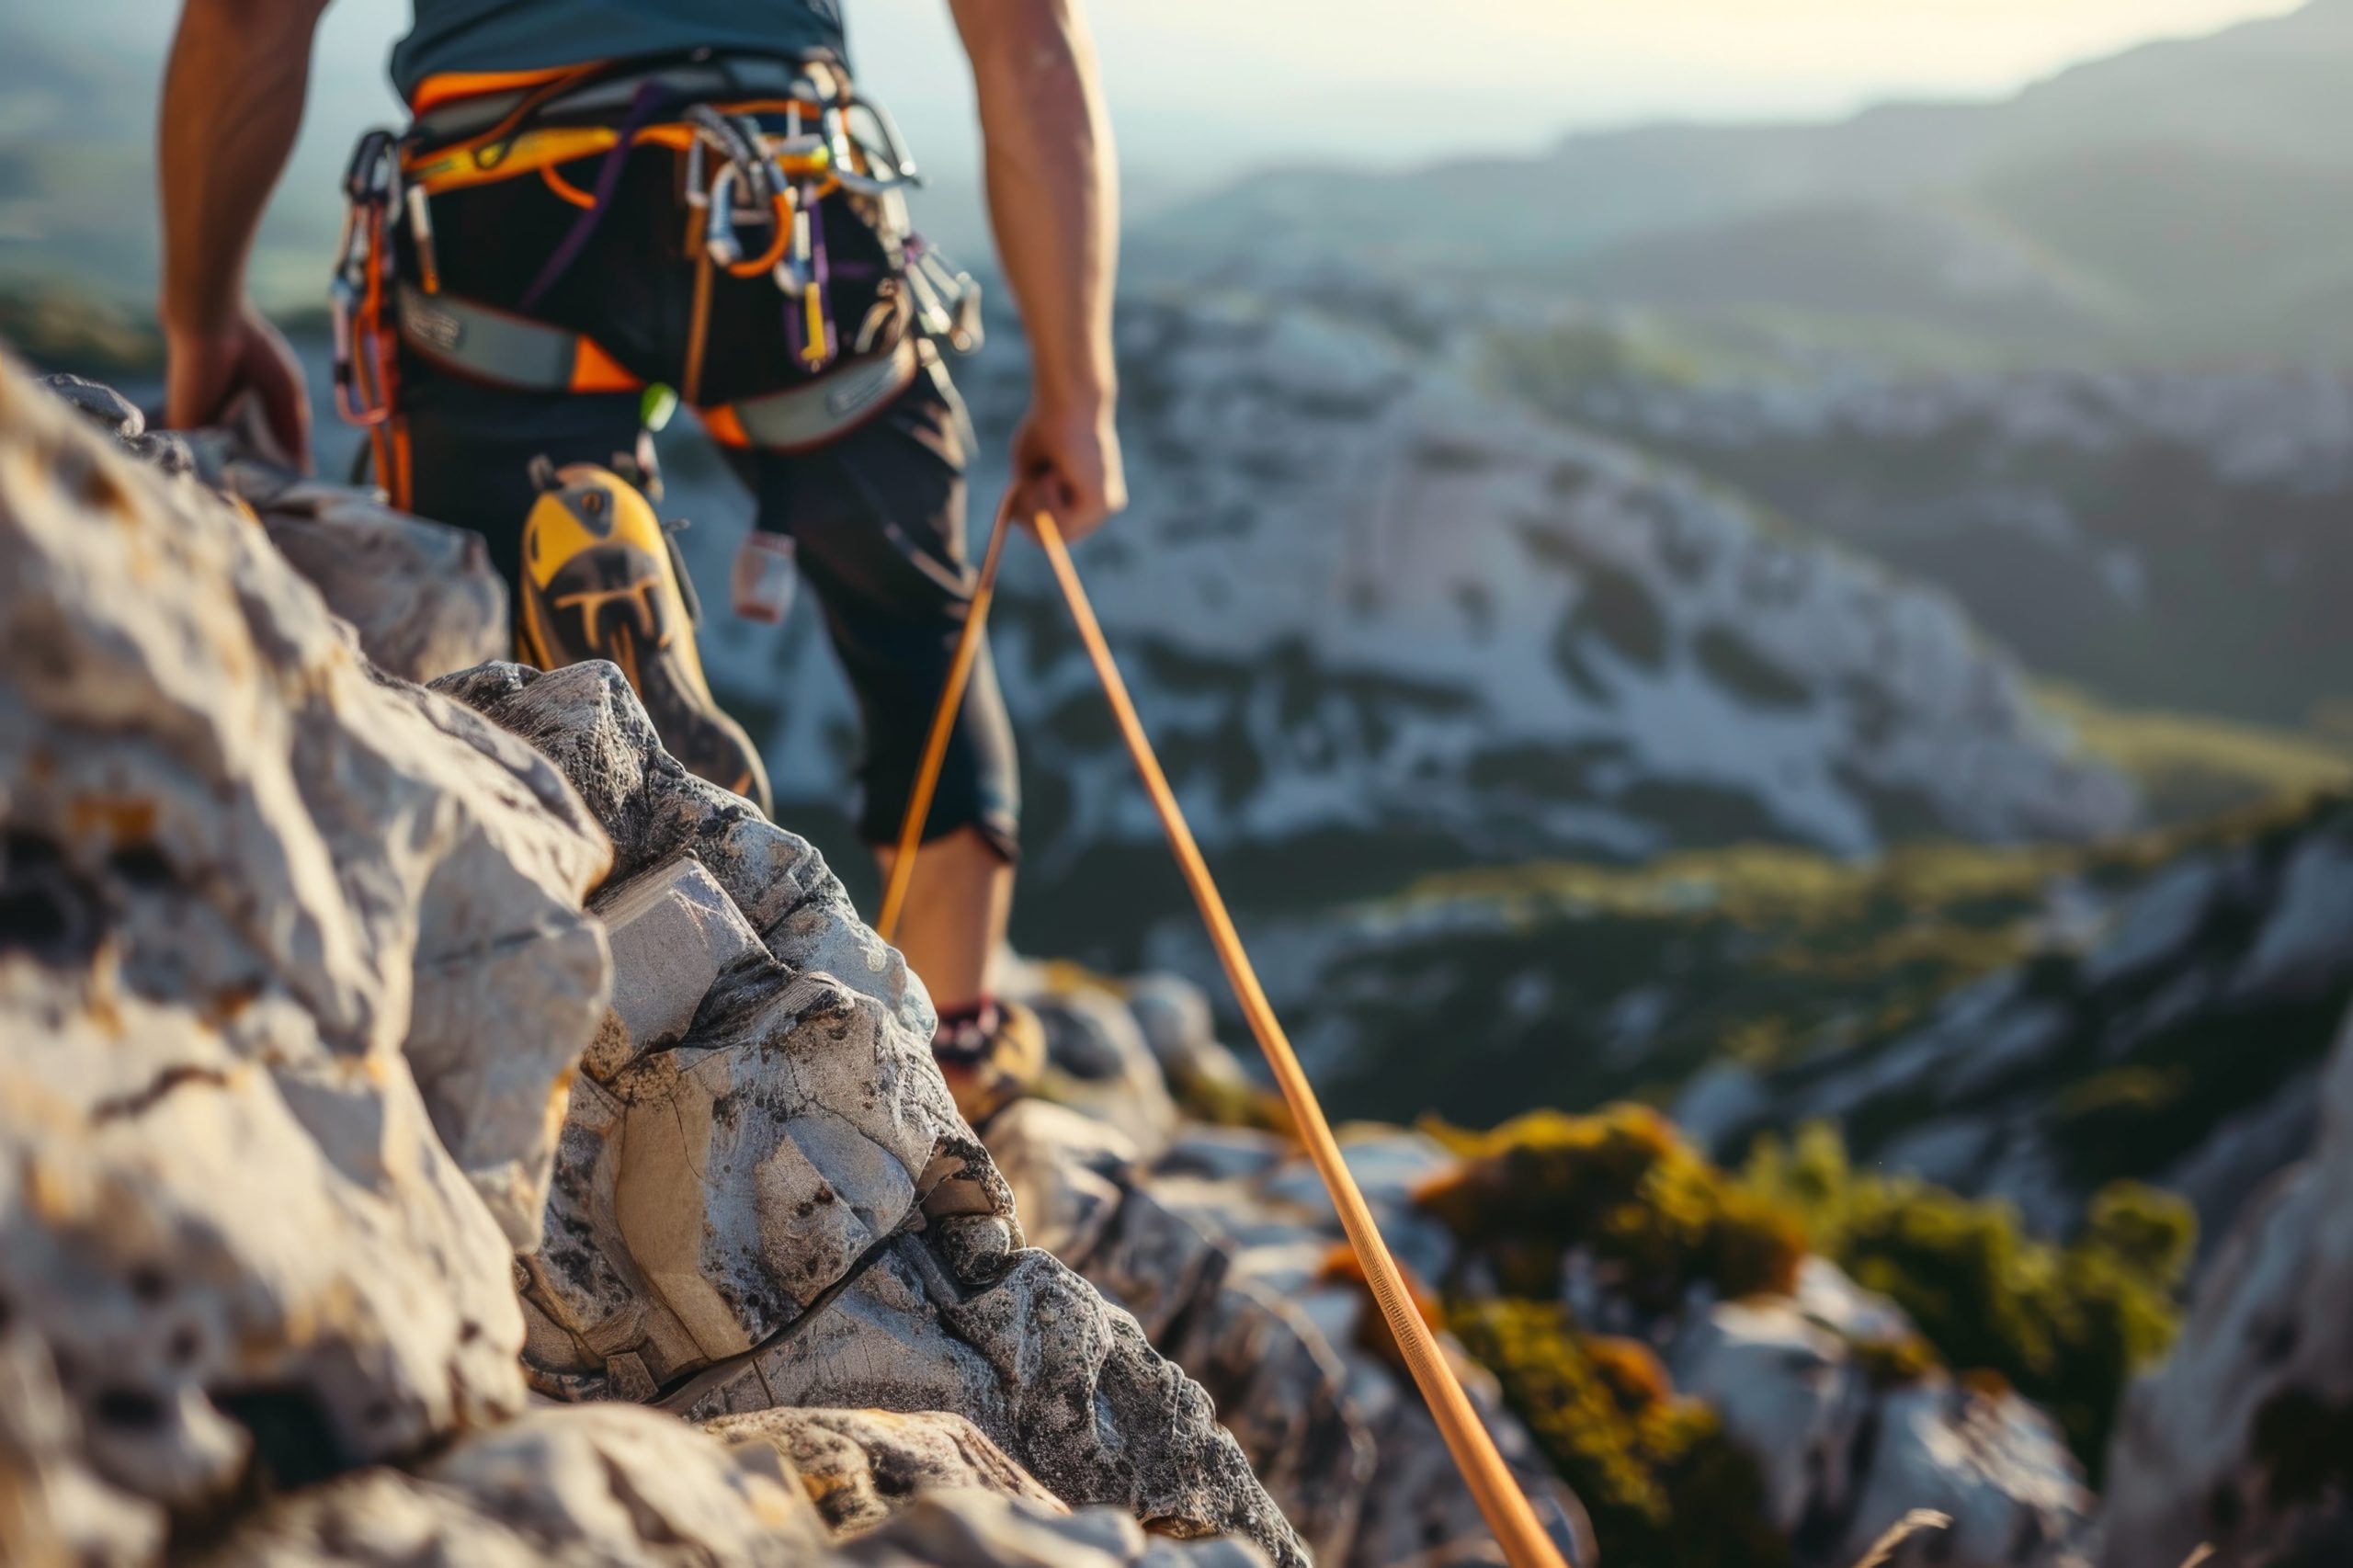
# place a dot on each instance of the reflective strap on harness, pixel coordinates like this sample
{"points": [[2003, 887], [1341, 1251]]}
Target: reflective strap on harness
{"points": [[491, 345], [514, 352], [854, 392]]}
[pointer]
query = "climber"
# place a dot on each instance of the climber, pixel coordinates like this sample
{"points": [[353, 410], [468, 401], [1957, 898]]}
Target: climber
{"points": [[595, 203]]}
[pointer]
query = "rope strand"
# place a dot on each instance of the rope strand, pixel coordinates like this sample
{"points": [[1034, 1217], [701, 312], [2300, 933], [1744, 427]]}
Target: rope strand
{"points": [[1501, 1501], [943, 722]]}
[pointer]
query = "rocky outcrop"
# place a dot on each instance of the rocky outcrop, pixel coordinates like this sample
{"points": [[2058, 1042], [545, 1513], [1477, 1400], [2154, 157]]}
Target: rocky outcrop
{"points": [[1846, 1450], [293, 980], [765, 1195], [292, 969], [2071, 510], [1221, 1248], [2243, 1438], [614, 1484], [2171, 1035], [421, 596], [860, 1467]]}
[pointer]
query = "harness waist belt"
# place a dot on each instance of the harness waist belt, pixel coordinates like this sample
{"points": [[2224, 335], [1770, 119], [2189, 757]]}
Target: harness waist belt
{"points": [[514, 351], [606, 96]]}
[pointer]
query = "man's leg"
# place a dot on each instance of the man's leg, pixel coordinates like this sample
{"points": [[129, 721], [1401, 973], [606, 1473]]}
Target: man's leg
{"points": [[878, 517], [470, 447], [957, 905]]}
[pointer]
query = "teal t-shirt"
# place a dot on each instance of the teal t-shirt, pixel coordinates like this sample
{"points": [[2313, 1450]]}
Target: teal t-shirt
{"points": [[532, 35]]}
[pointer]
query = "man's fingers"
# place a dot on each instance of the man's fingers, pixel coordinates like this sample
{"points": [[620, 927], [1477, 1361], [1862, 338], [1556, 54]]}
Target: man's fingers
{"points": [[289, 413]]}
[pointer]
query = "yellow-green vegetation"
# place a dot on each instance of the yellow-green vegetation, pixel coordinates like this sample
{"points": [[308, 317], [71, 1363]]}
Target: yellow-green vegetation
{"points": [[1622, 1186], [2190, 765], [2067, 1325], [1621, 982], [1666, 1488]]}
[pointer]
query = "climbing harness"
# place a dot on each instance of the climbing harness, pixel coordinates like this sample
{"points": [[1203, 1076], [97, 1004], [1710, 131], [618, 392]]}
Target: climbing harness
{"points": [[762, 145], [1501, 1501]]}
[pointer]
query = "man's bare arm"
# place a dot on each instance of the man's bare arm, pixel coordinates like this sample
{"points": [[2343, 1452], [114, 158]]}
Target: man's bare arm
{"points": [[1053, 201], [232, 102]]}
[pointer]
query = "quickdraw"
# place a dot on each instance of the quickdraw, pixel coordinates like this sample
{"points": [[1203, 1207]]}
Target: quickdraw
{"points": [[363, 354]]}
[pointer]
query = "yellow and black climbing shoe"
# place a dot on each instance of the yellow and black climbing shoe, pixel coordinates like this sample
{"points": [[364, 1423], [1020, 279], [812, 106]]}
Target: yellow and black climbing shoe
{"points": [[602, 580], [991, 1055]]}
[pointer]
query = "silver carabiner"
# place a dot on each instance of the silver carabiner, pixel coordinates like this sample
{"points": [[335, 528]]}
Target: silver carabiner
{"points": [[718, 241]]}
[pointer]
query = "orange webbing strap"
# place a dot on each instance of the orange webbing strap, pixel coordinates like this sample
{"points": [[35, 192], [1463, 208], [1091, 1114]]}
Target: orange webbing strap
{"points": [[1507, 1509], [943, 722]]}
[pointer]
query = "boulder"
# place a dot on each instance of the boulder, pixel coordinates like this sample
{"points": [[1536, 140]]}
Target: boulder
{"points": [[862, 1466], [292, 972], [764, 1196], [980, 1530], [1221, 1249], [2243, 1438], [1847, 1448], [606, 1483], [423, 596], [1097, 1057], [1279, 1388]]}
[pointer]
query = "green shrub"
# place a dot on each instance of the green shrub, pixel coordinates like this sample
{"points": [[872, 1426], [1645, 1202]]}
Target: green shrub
{"points": [[1666, 1488], [2065, 1325], [1623, 1185]]}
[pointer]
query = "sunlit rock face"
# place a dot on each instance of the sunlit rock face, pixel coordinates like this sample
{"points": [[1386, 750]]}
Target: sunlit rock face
{"points": [[292, 973], [2240, 1437], [304, 1032], [764, 1196]]}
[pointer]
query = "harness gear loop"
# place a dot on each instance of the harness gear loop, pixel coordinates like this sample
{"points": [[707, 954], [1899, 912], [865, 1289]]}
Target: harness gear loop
{"points": [[1501, 1501], [943, 721], [827, 148], [363, 356]]}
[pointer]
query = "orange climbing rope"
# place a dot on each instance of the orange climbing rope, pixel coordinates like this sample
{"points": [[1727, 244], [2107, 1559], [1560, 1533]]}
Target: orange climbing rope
{"points": [[943, 721], [1501, 1501]]}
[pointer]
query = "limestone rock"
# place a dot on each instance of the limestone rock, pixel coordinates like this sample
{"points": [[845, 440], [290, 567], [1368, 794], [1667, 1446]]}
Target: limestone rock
{"points": [[422, 596], [862, 1466], [602, 1485], [2239, 1439], [1181, 1032], [1278, 1386], [1218, 1249], [53, 1507], [245, 807], [764, 1196], [292, 971], [116, 414], [1096, 1057], [1843, 1458], [979, 1530]]}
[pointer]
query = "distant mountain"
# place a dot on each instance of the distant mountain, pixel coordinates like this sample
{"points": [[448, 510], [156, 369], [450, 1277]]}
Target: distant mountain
{"points": [[2168, 540], [2182, 197], [1381, 623]]}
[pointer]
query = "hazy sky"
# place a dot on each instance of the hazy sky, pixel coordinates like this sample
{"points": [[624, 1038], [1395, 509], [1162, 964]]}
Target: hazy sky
{"points": [[1200, 87], [1206, 79]]}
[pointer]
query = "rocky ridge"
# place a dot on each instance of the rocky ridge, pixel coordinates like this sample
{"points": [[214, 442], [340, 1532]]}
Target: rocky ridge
{"points": [[1382, 620], [296, 976]]}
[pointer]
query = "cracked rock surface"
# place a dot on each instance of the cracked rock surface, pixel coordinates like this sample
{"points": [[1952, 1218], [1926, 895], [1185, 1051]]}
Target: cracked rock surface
{"points": [[764, 1195], [294, 986], [292, 971]]}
